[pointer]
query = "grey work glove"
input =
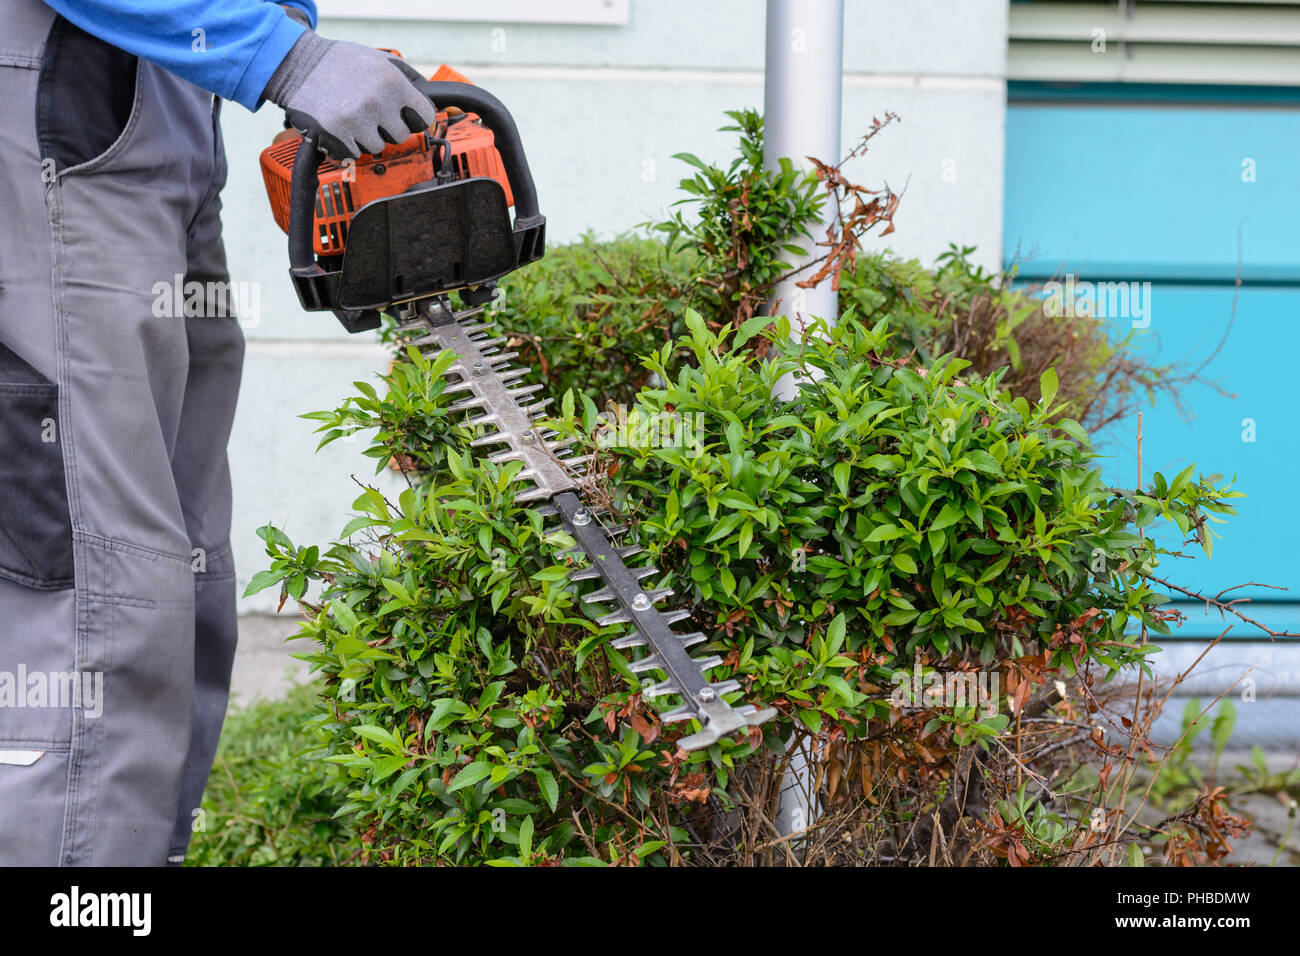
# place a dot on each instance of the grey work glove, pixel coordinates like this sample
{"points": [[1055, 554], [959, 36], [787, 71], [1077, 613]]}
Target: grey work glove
{"points": [[349, 98]]}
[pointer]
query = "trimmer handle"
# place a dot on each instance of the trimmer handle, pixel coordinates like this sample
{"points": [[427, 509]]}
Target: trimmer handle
{"points": [[465, 96]]}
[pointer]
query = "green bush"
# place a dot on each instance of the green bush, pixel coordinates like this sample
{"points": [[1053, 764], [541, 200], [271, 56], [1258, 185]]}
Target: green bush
{"points": [[907, 509], [584, 315], [480, 716]]}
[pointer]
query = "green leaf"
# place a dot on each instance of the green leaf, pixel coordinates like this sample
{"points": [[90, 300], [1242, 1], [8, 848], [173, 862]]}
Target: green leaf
{"points": [[546, 783], [841, 473], [904, 563], [841, 687], [344, 615], [472, 774], [746, 538], [380, 735], [396, 589], [1225, 721], [895, 618], [835, 634], [556, 572], [1048, 384], [356, 524], [952, 512], [982, 461], [695, 323], [526, 838], [749, 329], [263, 580]]}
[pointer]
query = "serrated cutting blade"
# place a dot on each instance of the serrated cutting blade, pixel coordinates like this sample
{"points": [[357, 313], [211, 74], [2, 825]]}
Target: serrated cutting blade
{"points": [[492, 400]]}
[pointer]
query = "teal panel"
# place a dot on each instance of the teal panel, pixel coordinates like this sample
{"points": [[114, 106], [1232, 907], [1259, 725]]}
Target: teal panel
{"points": [[1155, 193], [1240, 421]]}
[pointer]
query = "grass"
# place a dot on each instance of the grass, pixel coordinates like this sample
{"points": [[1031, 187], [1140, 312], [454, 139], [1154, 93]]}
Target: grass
{"points": [[264, 805]]}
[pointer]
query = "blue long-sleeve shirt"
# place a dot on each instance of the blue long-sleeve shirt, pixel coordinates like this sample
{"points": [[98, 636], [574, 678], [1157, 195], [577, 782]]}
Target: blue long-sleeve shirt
{"points": [[229, 47]]}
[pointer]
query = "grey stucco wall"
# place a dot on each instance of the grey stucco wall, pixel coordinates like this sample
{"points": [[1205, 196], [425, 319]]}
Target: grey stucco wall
{"points": [[601, 111]]}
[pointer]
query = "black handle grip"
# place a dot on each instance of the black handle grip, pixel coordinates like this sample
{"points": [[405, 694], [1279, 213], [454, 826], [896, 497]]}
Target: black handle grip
{"points": [[471, 99], [474, 99], [302, 206], [309, 278]]}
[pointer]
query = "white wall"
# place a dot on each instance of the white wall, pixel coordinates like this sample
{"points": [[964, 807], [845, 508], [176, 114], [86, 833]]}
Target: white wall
{"points": [[601, 110]]}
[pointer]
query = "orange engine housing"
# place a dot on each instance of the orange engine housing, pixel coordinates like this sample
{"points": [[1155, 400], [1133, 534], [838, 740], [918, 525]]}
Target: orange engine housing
{"points": [[345, 188]]}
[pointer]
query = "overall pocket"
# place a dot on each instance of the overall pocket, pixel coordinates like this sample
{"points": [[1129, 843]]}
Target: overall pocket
{"points": [[86, 102], [35, 524]]}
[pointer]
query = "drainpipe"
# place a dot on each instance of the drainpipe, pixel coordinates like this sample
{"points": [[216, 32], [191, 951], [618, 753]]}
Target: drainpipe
{"points": [[801, 118]]}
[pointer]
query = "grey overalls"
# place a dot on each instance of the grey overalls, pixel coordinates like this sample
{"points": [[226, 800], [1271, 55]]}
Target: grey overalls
{"points": [[115, 564]]}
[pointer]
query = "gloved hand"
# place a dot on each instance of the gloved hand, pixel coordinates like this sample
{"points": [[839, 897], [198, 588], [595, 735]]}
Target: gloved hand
{"points": [[349, 98]]}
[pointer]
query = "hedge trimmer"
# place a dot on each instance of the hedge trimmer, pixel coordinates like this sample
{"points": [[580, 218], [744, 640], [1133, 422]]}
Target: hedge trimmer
{"points": [[398, 233]]}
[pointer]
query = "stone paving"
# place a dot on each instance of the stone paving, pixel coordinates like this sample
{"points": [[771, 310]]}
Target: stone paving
{"points": [[264, 662]]}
